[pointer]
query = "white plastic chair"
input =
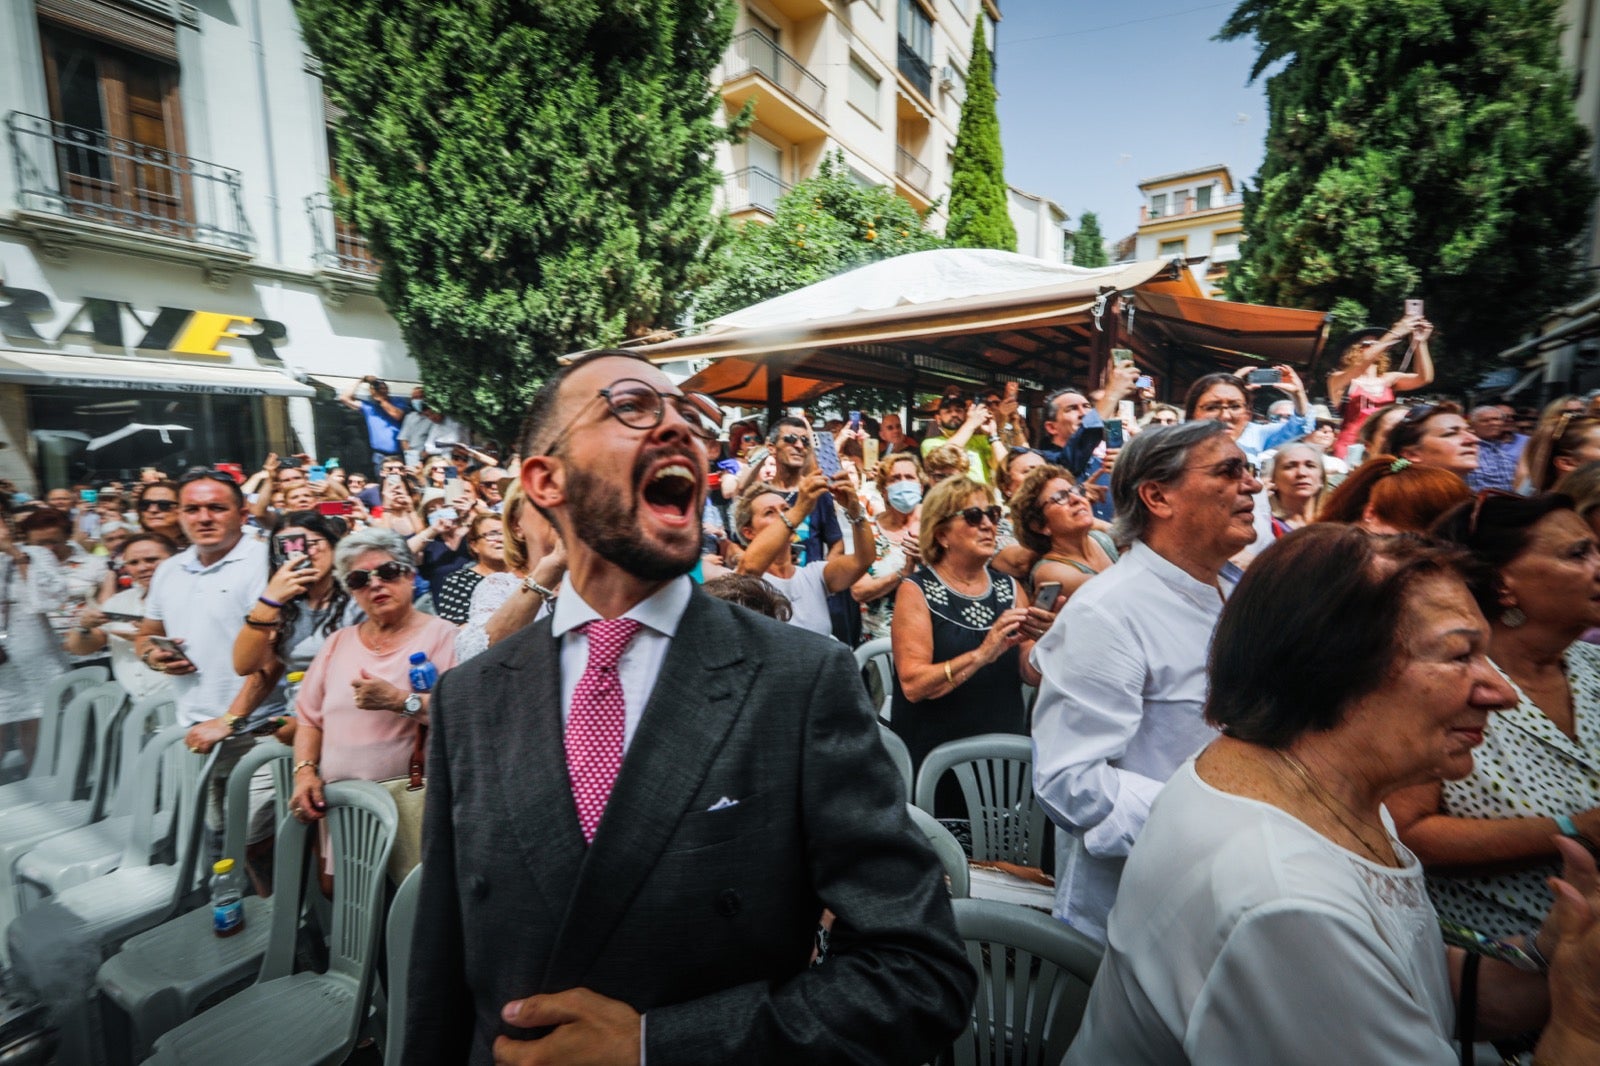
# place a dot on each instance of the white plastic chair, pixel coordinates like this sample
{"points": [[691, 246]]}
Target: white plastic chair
{"points": [[160, 976], [995, 772], [878, 656], [948, 848], [44, 782], [1034, 974], [312, 1018], [397, 935], [94, 850]]}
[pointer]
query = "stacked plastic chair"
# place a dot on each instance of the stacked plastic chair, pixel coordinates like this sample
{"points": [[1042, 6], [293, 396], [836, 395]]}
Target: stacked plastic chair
{"points": [[42, 782]]}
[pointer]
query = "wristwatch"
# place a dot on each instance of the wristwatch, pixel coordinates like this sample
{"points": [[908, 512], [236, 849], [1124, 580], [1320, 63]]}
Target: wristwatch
{"points": [[533, 586], [232, 721], [412, 706]]}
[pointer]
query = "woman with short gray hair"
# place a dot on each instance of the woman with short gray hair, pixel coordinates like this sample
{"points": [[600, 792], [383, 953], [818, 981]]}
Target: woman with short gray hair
{"points": [[358, 716]]}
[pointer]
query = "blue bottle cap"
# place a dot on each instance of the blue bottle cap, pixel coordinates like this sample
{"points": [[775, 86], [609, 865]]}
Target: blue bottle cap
{"points": [[418, 657]]}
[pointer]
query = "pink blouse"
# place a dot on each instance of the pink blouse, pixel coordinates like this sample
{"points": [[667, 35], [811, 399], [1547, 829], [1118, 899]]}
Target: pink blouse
{"points": [[359, 744]]}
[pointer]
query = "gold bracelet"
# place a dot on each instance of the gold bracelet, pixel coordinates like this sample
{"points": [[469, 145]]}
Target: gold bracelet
{"points": [[303, 763], [947, 676]]}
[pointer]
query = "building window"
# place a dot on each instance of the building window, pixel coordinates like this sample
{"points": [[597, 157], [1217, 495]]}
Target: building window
{"points": [[1176, 246], [1202, 198], [1229, 239], [1158, 204], [916, 46], [863, 89]]}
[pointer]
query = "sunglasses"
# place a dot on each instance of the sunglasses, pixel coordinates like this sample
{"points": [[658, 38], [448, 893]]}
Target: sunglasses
{"points": [[158, 505], [974, 516], [1057, 498], [795, 438], [390, 571]]}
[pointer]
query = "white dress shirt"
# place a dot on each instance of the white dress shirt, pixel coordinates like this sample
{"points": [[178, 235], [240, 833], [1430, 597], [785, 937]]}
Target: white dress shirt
{"points": [[205, 606], [1119, 709], [640, 665]]}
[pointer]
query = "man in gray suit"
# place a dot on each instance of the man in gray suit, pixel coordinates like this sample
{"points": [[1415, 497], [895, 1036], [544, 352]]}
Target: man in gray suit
{"points": [[626, 855]]}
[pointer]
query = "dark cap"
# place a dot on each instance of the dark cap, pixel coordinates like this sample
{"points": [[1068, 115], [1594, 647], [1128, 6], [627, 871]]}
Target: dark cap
{"points": [[952, 397]]}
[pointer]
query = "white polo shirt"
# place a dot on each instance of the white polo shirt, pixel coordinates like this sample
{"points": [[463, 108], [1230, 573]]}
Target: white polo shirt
{"points": [[205, 606]]}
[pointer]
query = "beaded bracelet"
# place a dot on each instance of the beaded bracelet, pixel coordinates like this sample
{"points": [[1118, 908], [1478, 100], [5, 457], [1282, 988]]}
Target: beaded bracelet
{"points": [[274, 604]]}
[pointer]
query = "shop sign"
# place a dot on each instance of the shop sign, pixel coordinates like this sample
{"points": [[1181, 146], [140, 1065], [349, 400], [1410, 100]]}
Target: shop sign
{"points": [[109, 324]]}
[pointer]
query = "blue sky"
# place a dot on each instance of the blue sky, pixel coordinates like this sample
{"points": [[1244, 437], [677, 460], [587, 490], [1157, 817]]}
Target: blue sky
{"points": [[1095, 98]]}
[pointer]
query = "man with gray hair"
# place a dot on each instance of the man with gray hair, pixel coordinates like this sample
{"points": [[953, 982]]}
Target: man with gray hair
{"points": [[1499, 448], [1124, 664]]}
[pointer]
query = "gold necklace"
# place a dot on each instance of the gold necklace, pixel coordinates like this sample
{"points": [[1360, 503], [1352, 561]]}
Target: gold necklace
{"points": [[379, 647], [1318, 794]]}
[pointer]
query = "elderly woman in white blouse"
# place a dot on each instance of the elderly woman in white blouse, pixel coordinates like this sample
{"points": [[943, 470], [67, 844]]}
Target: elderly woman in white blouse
{"points": [[1488, 840], [504, 602]]}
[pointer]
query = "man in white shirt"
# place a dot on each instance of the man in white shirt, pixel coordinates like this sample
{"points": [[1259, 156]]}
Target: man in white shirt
{"points": [[1124, 665], [639, 806]]}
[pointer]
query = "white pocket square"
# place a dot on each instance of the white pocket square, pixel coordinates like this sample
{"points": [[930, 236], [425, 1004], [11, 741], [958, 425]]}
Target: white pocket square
{"points": [[722, 804]]}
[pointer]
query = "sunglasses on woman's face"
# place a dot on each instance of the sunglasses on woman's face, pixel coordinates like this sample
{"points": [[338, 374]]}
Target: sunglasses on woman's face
{"points": [[391, 571], [974, 516], [159, 505]]}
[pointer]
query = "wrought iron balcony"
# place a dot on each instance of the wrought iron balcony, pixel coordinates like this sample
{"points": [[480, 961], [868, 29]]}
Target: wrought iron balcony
{"points": [[911, 170], [753, 52], [87, 174], [754, 188], [916, 69], [336, 244]]}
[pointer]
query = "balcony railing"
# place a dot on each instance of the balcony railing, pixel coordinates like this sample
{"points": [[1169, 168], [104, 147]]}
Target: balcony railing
{"points": [[755, 188], [336, 243], [1190, 207], [916, 69], [911, 171], [753, 52], [87, 174]]}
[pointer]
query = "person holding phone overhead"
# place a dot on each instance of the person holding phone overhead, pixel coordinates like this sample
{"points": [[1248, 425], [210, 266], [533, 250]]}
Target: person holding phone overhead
{"points": [[1363, 382], [1227, 398]]}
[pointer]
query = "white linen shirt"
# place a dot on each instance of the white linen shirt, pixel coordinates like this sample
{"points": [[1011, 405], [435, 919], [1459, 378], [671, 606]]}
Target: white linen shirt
{"points": [[640, 665], [205, 606], [1120, 698]]}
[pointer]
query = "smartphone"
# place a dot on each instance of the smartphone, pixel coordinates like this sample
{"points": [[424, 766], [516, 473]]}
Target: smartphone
{"points": [[167, 644], [1113, 433], [1266, 376], [316, 475], [88, 495], [758, 456], [827, 455], [293, 544], [393, 480], [451, 473], [1011, 390], [728, 466], [1048, 593], [869, 453], [1144, 382], [301, 563], [441, 445], [335, 508], [446, 514], [289, 462], [1413, 308], [855, 420], [115, 616], [1122, 355]]}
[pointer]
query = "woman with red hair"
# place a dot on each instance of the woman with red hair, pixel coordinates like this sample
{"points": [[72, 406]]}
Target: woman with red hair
{"points": [[1387, 494]]}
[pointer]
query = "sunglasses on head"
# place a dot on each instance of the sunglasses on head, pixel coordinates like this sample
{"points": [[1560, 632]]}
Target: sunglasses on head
{"points": [[390, 571], [974, 516], [795, 438]]}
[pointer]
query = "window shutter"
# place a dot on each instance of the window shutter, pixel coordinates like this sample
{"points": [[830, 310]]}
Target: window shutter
{"points": [[137, 29]]}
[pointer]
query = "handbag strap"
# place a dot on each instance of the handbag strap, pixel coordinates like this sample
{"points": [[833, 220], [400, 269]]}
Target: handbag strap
{"points": [[1467, 1006], [419, 755]]}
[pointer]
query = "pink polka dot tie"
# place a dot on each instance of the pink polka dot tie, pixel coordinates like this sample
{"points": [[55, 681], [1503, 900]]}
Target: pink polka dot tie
{"points": [[594, 726]]}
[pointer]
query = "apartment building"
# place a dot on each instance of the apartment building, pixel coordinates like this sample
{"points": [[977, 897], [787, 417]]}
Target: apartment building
{"points": [[1041, 225], [168, 253], [1197, 215], [881, 81]]}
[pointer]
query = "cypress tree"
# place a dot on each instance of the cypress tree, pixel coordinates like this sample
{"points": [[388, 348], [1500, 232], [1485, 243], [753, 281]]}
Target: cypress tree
{"points": [[537, 176], [1088, 246], [1426, 149], [978, 212]]}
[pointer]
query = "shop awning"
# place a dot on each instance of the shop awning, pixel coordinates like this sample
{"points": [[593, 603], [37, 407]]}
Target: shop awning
{"points": [[149, 375], [341, 385]]}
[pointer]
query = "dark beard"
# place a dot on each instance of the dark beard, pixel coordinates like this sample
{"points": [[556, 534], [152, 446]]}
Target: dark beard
{"points": [[605, 523]]}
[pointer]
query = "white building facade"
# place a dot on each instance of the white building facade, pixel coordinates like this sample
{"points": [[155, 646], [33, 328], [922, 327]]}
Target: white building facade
{"points": [[168, 252], [1041, 225], [1197, 215], [881, 81]]}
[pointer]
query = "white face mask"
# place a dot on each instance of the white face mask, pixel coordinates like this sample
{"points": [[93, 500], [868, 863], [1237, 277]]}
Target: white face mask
{"points": [[904, 496]]}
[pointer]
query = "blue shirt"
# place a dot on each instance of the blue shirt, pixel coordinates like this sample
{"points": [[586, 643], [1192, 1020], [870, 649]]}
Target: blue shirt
{"points": [[1497, 464], [1261, 437], [383, 432]]}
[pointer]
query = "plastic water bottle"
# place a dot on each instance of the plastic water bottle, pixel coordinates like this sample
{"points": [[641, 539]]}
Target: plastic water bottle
{"points": [[424, 675], [227, 898]]}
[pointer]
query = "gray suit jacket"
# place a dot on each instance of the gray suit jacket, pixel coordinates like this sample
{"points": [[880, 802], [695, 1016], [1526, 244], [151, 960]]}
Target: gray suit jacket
{"points": [[700, 919]]}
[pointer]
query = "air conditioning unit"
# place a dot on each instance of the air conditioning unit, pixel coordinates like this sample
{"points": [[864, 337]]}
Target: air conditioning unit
{"points": [[947, 79]]}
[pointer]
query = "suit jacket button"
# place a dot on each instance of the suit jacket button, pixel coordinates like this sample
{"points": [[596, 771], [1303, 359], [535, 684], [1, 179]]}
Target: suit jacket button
{"points": [[480, 887], [728, 903]]}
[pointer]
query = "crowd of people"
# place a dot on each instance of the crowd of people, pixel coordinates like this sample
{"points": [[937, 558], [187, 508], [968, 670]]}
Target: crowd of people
{"points": [[1310, 697]]}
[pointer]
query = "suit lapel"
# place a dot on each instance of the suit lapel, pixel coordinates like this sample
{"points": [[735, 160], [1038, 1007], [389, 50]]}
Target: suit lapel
{"points": [[696, 699], [532, 766]]}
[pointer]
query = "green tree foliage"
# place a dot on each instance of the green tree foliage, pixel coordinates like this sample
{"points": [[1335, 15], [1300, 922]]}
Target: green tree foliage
{"points": [[978, 214], [536, 175], [825, 225], [1088, 246], [1425, 148]]}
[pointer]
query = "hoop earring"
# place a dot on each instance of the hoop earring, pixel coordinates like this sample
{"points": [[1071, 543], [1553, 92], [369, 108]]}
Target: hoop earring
{"points": [[1512, 617]]}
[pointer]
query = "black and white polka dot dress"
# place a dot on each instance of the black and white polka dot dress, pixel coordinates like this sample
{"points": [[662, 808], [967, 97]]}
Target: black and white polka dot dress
{"points": [[1525, 768]]}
